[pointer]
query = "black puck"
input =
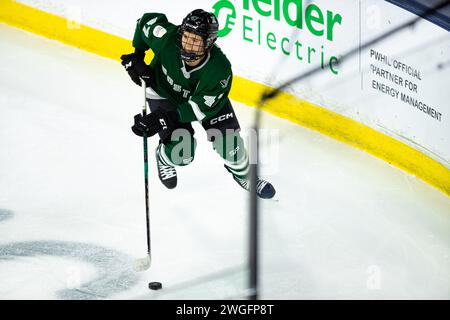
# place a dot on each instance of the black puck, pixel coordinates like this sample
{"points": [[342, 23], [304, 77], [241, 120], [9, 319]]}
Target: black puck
{"points": [[155, 285]]}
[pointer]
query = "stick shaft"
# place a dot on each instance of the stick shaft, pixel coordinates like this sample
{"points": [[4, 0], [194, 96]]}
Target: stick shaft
{"points": [[147, 209]]}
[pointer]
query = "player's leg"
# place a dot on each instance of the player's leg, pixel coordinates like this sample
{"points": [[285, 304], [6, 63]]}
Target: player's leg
{"points": [[176, 146], [223, 132], [231, 148]]}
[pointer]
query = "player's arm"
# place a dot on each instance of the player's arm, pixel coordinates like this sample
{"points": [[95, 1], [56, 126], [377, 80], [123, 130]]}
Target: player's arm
{"points": [[150, 31], [207, 100], [149, 34]]}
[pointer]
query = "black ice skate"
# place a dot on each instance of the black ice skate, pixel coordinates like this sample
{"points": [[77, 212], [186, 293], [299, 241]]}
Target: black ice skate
{"points": [[167, 173], [264, 189]]}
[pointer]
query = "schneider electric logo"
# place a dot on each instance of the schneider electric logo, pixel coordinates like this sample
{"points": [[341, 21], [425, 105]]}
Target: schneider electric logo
{"points": [[227, 8], [253, 19]]}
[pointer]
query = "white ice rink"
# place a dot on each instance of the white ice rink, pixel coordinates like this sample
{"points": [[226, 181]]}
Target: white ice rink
{"points": [[344, 224]]}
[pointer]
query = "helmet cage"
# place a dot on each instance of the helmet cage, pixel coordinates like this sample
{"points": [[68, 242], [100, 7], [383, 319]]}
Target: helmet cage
{"points": [[203, 24]]}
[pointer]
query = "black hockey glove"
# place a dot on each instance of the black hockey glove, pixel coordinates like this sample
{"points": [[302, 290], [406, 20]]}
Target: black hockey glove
{"points": [[135, 66], [154, 122]]}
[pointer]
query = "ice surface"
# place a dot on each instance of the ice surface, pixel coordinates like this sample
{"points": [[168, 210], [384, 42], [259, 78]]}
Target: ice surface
{"points": [[72, 215]]}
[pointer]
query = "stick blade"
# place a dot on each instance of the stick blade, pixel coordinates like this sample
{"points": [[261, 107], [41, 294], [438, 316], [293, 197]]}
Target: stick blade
{"points": [[143, 264]]}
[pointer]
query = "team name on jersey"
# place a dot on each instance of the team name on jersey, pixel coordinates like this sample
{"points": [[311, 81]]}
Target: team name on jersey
{"points": [[175, 87]]}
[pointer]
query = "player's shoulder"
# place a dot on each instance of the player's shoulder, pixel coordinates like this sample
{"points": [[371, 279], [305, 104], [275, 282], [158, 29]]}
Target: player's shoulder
{"points": [[156, 28], [218, 69], [153, 19], [219, 61]]}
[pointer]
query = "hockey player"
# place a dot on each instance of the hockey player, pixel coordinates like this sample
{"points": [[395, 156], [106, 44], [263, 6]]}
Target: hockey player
{"points": [[188, 80]]}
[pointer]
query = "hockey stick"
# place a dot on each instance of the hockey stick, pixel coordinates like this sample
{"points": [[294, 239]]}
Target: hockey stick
{"points": [[144, 263]]}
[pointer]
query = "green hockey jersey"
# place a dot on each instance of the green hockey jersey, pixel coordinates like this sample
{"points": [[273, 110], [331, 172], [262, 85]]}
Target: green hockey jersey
{"points": [[199, 93]]}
